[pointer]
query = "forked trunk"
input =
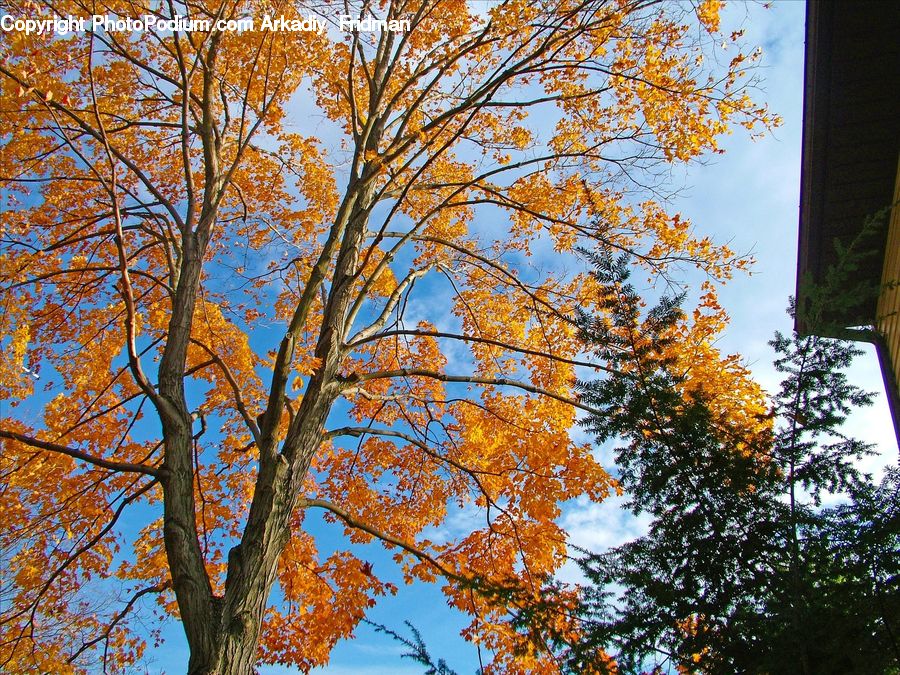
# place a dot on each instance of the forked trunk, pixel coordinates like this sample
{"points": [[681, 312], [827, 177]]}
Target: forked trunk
{"points": [[223, 632], [230, 651]]}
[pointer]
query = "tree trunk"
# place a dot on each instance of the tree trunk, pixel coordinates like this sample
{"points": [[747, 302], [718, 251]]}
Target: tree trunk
{"points": [[223, 632]]}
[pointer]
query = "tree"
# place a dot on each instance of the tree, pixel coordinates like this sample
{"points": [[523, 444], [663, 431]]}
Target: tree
{"points": [[853, 553], [740, 571], [418, 651], [226, 308]]}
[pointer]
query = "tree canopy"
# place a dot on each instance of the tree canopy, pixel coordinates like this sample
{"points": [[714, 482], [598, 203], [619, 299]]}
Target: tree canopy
{"points": [[261, 272]]}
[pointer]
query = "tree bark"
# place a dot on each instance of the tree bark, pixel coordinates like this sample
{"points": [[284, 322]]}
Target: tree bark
{"points": [[223, 632]]}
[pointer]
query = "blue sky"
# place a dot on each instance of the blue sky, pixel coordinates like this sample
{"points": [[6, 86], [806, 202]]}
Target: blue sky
{"points": [[748, 197]]}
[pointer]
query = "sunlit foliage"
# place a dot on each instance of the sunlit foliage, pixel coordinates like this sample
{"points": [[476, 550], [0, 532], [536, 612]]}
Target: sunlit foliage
{"points": [[263, 273]]}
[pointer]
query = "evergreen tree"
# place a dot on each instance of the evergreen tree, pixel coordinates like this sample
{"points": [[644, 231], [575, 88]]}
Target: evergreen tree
{"points": [[741, 570]]}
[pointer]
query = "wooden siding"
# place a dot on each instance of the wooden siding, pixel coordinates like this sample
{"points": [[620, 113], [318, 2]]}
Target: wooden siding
{"points": [[888, 316], [850, 148]]}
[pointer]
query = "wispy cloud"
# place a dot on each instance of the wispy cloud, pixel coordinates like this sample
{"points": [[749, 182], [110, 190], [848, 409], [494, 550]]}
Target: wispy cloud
{"points": [[597, 527]]}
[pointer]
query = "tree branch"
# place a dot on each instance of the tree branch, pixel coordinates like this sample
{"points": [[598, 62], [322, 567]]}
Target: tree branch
{"points": [[467, 379], [112, 465], [357, 341], [355, 523]]}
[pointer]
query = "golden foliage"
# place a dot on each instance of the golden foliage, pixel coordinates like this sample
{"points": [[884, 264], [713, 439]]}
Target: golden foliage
{"points": [[286, 271]]}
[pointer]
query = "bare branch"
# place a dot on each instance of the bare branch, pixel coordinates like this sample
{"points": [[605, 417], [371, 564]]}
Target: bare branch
{"points": [[466, 379]]}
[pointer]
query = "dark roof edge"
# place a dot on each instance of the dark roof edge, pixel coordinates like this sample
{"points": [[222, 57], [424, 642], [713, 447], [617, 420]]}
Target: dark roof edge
{"points": [[816, 89], [891, 388]]}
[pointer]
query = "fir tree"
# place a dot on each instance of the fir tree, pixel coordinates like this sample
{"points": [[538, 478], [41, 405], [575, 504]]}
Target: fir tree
{"points": [[741, 570]]}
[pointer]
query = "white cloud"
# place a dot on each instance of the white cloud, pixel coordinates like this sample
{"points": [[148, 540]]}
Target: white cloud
{"points": [[597, 527]]}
